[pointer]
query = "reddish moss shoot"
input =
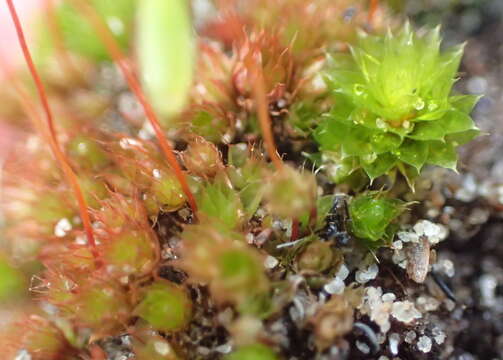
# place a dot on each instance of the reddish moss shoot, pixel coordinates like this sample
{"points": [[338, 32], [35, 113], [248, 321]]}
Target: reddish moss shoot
{"points": [[119, 58], [257, 79], [55, 147], [374, 4]]}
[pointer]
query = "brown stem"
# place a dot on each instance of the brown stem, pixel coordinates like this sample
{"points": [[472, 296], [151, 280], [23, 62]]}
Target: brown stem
{"points": [[55, 147], [263, 115]]}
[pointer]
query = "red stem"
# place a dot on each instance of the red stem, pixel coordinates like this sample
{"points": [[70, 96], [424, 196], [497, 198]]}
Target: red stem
{"points": [[372, 11], [56, 149], [119, 58], [263, 115]]}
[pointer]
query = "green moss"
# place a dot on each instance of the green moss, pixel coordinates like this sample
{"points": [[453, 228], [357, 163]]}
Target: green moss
{"points": [[79, 36], [372, 214], [393, 109], [165, 306], [12, 281]]}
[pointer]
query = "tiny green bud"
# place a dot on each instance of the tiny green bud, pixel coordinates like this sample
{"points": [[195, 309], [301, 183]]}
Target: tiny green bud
{"points": [[165, 193], [371, 215], [290, 193], [165, 306], [87, 153], [202, 158], [316, 257], [130, 252]]}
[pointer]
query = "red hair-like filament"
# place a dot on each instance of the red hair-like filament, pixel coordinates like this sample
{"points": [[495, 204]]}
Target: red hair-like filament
{"points": [[119, 58], [55, 147]]}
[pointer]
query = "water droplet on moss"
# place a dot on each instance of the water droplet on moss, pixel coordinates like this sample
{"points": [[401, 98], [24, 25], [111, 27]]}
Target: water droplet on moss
{"points": [[358, 89], [419, 104]]}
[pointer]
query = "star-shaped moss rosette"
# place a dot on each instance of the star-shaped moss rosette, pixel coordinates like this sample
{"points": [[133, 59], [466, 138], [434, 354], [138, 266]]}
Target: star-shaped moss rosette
{"points": [[393, 108]]}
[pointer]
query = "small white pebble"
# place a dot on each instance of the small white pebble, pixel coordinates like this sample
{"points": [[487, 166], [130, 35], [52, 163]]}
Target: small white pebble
{"points": [[224, 348], [364, 276], [427, 303], [343, 272], [438, 335], [162, 348], [406, 236], [388, 297], [398, 245], [424, 344], [410, 336], [449, 304], [336, 286], [62, 227], [364, 348], [405, 311], [270, 262], [394, 340]]}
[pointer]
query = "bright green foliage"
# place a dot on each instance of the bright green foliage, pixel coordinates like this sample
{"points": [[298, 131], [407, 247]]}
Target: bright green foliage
{"points": [[372, 215], [165, 194], [165, 306], [12, 281], [246, 176], [96, 305], [79, 35], [253, 352], [165, 53], [239, 270], [290, 193], [222, 204], [393, 108], [94, 190], [130, 252], [87, 153], [51, 208]]}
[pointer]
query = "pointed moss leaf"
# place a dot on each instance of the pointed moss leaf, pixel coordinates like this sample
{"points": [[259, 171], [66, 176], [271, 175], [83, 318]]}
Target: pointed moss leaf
{"points": [[165, 53], [456, 121], [465, 103], [442, 154], [165, 306], [462, 137], [385, 141], [413, 153], [410, 173], [239, 271], [222, 203], [372, 214], [331, 133], [428, 130], [358, 141], [380, 166]]}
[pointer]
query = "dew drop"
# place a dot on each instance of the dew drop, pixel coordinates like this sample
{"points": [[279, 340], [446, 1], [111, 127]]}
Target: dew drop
{"points": [[358, 89], [369, 158], [432, 106], [380, 123], [419, 104]]}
